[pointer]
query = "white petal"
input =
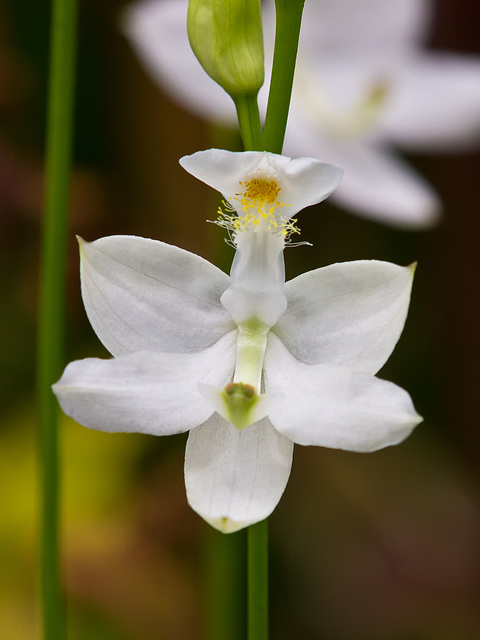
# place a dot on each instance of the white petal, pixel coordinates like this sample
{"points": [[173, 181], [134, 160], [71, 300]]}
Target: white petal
{"points": [[157, 31], [335, 406], [146, 392], [435, 104], [351, 313], [236, 478], [303, 181], [144, 295]]}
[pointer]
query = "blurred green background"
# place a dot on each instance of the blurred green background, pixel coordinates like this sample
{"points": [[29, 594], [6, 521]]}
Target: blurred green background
{"points": [[384, 546]]}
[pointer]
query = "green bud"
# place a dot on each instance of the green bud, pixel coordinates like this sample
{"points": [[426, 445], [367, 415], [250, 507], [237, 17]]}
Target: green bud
{"points": [[227, 38]]}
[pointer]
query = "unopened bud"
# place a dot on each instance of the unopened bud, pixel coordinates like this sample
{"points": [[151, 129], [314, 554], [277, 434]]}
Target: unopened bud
{"points": [[227, 38]]}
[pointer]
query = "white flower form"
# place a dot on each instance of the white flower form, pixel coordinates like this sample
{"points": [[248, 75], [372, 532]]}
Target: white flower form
{"points": [[248, 363], [364, 85]]}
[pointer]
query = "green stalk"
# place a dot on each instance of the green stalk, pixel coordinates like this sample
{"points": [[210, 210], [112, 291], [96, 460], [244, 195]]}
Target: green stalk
{"points": [[224, 589], [51, 306], [249, 122], [287, 32], [258, 581]]}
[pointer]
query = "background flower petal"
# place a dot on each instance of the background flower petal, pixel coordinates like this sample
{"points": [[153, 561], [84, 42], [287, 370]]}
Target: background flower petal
{"points": [[376, 183], [436, 105], [341, 24], [236, 478], [380, 186], [142, 294], [145, 392], [335, 406], [350, 313]]}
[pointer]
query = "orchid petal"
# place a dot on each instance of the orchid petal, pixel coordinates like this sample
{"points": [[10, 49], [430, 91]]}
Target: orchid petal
{"points": [[145, 392], [236, 478], [142, 294], [303, 181], [436, 105], [335, 406], [350, 314]]}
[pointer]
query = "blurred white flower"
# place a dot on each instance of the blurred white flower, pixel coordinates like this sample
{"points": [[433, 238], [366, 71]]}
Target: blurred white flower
{"points": [[248, 363], [364, 84]]}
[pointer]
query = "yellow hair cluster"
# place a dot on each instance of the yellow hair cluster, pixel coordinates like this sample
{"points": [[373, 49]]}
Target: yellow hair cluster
{"points": [[259, 203]]}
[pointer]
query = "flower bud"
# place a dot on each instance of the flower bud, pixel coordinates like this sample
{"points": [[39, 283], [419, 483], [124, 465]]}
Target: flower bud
{"points": [[227, 38]]}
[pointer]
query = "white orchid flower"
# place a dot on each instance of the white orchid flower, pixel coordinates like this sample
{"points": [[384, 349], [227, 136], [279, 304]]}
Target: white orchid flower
{"points": [[364, 85], [248, 363]]}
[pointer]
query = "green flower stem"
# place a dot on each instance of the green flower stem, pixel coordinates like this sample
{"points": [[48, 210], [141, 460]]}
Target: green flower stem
{"points": [[51, 311], [249, 121], [224, 589], [288, 22], [258, 581]]}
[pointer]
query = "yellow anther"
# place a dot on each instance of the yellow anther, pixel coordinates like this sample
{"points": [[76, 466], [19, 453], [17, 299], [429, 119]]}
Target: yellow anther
{"points": [[260, 191], [259, 204]]}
